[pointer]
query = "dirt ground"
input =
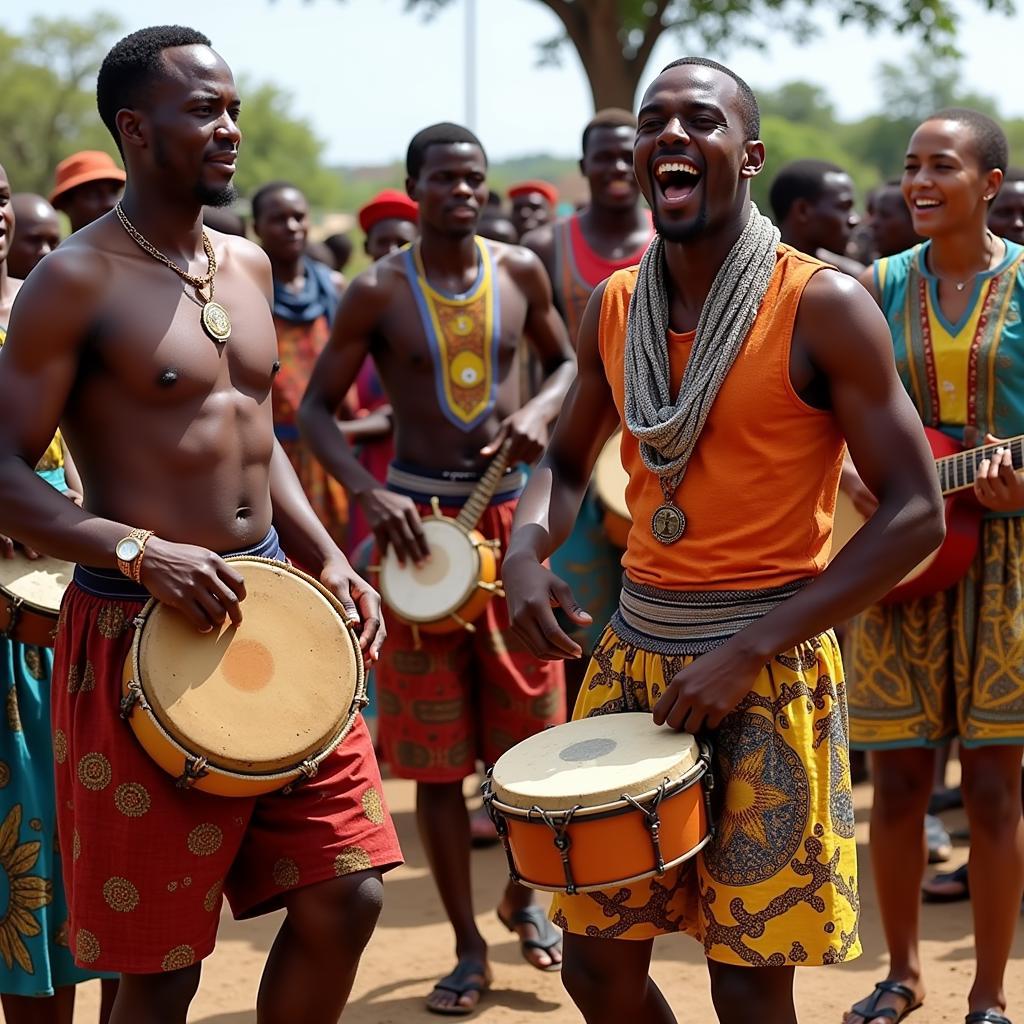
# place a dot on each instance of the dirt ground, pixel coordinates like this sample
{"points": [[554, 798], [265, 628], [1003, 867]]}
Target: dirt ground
{"points": [[412, 948]]}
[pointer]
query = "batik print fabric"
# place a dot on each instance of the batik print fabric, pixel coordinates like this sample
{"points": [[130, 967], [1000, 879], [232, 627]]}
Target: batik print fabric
{"points": [[777, 885]]}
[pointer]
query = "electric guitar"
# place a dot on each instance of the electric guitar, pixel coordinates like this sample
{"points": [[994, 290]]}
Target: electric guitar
{"points": [[949, 563]]}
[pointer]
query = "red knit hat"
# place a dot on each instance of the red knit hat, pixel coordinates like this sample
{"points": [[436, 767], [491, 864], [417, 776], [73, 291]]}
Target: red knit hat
{"points": [[545, 188], [387, 205]]}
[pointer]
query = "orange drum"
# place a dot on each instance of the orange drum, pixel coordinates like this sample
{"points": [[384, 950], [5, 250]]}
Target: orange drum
{"points": [[610, 480], [247, 710], [600, 802], [30, 594]]}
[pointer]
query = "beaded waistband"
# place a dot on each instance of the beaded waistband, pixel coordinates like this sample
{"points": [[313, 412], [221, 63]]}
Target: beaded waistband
{"points": [[450, 488], [111, 583], [691, 622]]}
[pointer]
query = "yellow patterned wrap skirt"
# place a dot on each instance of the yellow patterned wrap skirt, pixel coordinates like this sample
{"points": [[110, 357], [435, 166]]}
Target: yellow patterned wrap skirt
{"points": [[777, 885], [947, 665]]}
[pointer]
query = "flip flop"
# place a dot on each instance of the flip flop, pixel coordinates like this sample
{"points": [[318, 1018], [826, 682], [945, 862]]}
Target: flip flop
{"points": [[549, 936], [987, 1017], [468, 976], [959, 877], [867, 1009]]}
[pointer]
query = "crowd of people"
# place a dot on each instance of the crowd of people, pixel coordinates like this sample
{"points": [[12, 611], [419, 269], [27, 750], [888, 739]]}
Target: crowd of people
{"points": [[756, 367]]}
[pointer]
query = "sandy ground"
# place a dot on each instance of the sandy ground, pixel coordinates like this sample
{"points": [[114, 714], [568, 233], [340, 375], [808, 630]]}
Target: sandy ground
{"points": [[412, 948]]}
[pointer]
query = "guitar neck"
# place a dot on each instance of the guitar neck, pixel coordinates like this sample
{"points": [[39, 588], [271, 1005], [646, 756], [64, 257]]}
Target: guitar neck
{"points": [[956, 472], [477, 502]]}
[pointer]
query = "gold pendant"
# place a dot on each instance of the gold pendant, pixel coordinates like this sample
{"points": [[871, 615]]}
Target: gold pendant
{"points": [[216, 321], [668, 523]]}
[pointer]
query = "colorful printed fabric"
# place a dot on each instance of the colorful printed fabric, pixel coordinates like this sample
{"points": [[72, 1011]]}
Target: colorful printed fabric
{"points": [[455, 697], [299, 345], [947, 665], [777, 885], [146, 864]]}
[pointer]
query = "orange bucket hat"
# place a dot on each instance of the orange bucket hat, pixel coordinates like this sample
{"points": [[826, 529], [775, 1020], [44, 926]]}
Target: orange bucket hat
{"points": [[80, 168]]}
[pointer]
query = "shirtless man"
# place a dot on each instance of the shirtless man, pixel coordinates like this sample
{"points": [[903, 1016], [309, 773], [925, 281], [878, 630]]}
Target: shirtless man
{"points": [[447, 700], [173, 434], [37, 232]]}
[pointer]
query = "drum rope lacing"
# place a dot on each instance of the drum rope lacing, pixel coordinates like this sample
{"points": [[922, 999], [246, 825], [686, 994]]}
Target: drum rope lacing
{"points": [[563, 841], [14, 610]]}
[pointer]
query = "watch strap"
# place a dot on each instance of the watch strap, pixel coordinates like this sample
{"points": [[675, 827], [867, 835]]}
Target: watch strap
{"points": [[132, 568]]}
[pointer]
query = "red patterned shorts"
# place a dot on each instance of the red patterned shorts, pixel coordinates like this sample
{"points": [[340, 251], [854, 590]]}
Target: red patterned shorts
{"points": [[146, 864], [459, 697]]}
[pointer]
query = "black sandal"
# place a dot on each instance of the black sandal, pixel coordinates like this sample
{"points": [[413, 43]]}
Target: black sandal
{"points": [[549, 940], [987, 1017], [468, 976], [868, 1008]]}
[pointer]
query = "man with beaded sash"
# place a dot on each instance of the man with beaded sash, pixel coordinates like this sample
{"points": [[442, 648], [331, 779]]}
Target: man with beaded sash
{"points": [[737, 366], [443, 320], [948, 665], [151, 342]]}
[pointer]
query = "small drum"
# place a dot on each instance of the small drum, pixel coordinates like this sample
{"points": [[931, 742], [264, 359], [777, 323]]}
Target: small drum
{"points": [[610, 480], [246, 710], [30, 596], [600, 802]]}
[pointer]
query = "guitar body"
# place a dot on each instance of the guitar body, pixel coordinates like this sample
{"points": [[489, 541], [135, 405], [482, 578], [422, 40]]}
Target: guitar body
{"points": [[949, 563]]}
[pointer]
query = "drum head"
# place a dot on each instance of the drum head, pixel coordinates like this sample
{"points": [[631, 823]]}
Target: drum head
{"points": [[40, 582], [611, 479], [262, 697], [593, 761], [441, 585]]}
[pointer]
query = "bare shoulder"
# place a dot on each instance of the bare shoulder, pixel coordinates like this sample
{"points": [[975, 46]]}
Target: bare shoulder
{"points": [[523, 265], [375, 287], [79, 271], [837, 316], [240, 250]]}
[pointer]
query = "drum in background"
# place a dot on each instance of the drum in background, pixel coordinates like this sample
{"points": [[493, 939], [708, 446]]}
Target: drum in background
{"points": [[610, 480], [600, 802], [246, 710], [30, 596]]}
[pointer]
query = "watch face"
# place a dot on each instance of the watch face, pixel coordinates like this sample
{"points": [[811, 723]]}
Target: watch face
{"points": [[128, 549]]}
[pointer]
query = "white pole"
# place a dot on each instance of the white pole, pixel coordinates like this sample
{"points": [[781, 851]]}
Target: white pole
{"points": [[471, 65]]}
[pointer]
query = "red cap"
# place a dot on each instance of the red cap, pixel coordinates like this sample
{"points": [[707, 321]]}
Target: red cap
{"points": [[388, 205], [546, 189], [80, 168]]}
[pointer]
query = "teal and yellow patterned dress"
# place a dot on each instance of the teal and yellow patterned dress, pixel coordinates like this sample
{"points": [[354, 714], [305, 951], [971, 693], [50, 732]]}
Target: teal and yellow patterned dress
{"points": [[34, 955]]}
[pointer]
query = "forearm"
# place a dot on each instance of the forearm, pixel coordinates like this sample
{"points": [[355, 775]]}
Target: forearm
{"points": [[302, 534], [896, 538], [550, 398], [373, 426], [547, 511], [42, 518], [322, 432]]}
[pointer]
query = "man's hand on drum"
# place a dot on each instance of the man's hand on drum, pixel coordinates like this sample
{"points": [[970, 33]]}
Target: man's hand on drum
{"points": [[200, 584], [361, 601], [8, 545], [532, 591], [395, 522], [699, 696], [528, 431]]}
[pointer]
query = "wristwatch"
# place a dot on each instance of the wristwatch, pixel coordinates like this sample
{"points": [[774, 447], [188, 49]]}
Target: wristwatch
{"points": [[129, 551]]}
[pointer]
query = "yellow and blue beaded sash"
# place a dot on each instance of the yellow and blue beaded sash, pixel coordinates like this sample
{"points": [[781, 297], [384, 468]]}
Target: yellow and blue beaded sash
{"points": [[463, 333]]}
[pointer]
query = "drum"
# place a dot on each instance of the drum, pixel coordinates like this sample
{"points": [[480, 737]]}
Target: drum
{"points": [[449, 590], [600, 802], [610, 480], [30, 596], [245, 710]]}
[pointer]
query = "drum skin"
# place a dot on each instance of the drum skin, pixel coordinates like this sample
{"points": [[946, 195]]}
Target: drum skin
{"points": [[608, 851], [30, 596], [610, 481], [583, 782], [214, 680], [454, 610]]}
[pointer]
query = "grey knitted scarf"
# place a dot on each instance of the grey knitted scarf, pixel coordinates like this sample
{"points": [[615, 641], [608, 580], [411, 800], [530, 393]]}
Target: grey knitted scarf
{"points": [[666, 427]]}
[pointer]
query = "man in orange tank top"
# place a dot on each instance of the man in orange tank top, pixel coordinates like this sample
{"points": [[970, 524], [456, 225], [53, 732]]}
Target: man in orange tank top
{"points": [[724, 622]]}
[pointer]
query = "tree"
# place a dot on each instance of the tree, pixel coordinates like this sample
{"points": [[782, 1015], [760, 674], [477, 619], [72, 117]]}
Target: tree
{"points": [[614, 39]]}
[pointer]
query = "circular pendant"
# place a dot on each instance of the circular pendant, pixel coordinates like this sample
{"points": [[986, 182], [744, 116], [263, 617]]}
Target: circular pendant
{"points": [[216, 321], [668, 523]]}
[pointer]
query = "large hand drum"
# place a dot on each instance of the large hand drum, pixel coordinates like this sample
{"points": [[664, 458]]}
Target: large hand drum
{"points": [[246, 710], [30, 596], [610, 482], [600, 802]]}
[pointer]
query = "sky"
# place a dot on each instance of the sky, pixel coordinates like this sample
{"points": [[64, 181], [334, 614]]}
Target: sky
{"points": [[367, 75]]}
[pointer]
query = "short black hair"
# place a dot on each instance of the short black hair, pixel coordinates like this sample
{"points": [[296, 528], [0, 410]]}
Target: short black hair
{"points": [[443, 134], [610, 117], [749, 110], [990, 145], [341, 245], [265, 191], [132, 64], [801, 179]]}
